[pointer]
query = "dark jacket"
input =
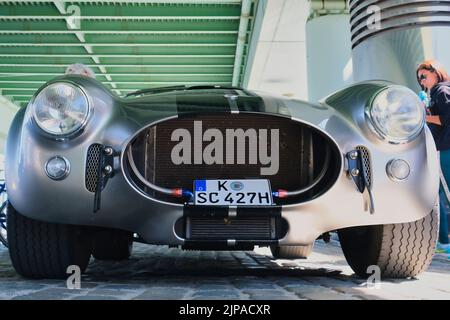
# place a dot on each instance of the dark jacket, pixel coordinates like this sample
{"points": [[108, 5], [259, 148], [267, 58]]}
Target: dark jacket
{"points": [[440, 106]]}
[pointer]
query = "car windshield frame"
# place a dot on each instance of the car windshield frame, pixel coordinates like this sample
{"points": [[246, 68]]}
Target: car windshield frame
{"points": [[148, 91]]}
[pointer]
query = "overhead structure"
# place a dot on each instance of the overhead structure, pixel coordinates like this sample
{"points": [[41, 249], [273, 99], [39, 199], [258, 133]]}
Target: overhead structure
{"points": [[130, 45], [327, 7]]}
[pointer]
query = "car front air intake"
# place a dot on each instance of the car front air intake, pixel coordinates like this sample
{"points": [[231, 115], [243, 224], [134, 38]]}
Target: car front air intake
{"points": [[308, 161]]}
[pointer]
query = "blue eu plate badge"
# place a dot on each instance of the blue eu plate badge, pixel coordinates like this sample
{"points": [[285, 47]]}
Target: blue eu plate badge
{"points": [[200, 185]]}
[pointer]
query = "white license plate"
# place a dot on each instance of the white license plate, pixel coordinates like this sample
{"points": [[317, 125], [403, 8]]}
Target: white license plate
{"points": [[251, 192]]}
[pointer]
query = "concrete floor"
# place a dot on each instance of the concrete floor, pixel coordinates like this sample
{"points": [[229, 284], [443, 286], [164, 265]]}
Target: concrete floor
{"points": [[156, 272]]}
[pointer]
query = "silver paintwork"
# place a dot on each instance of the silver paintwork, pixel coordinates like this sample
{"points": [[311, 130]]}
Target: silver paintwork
{"points": [[114, 121]]}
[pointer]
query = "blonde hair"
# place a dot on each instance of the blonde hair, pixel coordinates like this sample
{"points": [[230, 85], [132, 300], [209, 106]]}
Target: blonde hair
{"points": [[434, 67]]}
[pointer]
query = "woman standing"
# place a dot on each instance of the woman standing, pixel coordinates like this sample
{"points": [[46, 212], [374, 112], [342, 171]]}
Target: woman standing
{"points": [[434, 79]]}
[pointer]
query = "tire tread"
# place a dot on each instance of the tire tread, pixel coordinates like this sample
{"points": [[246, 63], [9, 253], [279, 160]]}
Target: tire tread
{"points": [[44, 250]]}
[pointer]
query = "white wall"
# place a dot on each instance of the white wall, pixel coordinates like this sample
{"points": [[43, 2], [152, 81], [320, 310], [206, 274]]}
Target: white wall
{"points": [[7, 112], [2, 168], [279, 63], [328, 43]]}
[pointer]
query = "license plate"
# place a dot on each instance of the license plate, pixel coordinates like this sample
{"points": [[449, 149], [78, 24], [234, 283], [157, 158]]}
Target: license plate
{"points": [[251, 192]]}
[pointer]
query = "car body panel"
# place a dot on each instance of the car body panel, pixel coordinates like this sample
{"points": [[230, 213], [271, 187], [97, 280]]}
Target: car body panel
{"points": [[115, 121]]}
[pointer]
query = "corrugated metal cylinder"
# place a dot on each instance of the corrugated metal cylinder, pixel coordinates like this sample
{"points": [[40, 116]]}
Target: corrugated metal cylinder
{"points": [[391, 37]]}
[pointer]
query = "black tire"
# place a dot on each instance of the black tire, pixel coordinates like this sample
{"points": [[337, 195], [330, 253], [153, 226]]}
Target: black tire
{"points": [[291, 252], [400, 250], [3, 224], [112, 244], [44, 250]]}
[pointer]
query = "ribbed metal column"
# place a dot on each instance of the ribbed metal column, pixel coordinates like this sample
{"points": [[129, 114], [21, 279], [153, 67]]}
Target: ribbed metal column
{"points": [[391, 37]]}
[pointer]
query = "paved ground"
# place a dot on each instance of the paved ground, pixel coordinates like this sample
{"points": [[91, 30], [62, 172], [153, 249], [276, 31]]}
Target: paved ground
{"points": [[155, 272]]}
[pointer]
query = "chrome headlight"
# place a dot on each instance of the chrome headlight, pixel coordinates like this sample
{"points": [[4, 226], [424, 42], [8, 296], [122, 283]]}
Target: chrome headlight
{"points": [[396, 114], [60, 109]]}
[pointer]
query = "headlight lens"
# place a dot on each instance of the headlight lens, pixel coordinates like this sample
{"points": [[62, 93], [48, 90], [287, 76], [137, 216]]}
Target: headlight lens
{"points": [[397, 114], [61, 109]]}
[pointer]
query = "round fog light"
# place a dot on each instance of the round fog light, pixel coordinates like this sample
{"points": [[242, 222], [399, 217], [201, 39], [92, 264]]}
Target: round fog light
{"points": [[57, 168], [398, 169]]}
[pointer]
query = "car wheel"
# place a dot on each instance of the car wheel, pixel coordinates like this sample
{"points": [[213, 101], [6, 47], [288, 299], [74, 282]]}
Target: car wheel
{"points": [[112, 244], [399, 250], [3, 224], [291, 252], [40, 249]]}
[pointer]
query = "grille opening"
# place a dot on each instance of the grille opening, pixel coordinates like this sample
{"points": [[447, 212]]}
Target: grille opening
{"points": [[302, 150], [258, 228], [92, 164], [367, 164]]}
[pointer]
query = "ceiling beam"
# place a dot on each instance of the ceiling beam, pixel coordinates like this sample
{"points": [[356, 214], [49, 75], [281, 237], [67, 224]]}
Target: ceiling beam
{"points": [[121, 25], [33, 90], [24, 44], [25, 74], [327, 7], [46, 17], [122, 38], [16, 31], [110, 82], [146, 65], [80, 55], [79, 34], [7, 103], [130, 9], [142, 1]]}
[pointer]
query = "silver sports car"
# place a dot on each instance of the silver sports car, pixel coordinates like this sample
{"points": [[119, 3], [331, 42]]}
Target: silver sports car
{"points": [[220, 168]]}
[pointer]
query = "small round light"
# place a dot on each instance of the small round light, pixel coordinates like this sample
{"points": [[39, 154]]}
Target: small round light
{"points": [[398, 169], [57, 168]]}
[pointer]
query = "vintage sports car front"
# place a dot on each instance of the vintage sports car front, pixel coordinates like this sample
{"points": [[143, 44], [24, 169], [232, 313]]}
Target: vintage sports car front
{"points": [[211, 167]]}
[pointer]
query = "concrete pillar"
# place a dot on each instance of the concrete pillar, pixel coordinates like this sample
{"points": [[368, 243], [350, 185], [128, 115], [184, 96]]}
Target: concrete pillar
{"points": [[328, 48], [7, 112], [390, 38], [277, 59]]}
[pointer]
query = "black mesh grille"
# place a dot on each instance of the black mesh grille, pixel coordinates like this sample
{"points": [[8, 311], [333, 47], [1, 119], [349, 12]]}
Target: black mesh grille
{"points": [[257, 228], [301, 155], [92, 162], [365, 154]]}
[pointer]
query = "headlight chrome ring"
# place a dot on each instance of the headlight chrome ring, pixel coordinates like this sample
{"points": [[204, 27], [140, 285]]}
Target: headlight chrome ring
{"points": [[396, 114], [61, 109]]}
